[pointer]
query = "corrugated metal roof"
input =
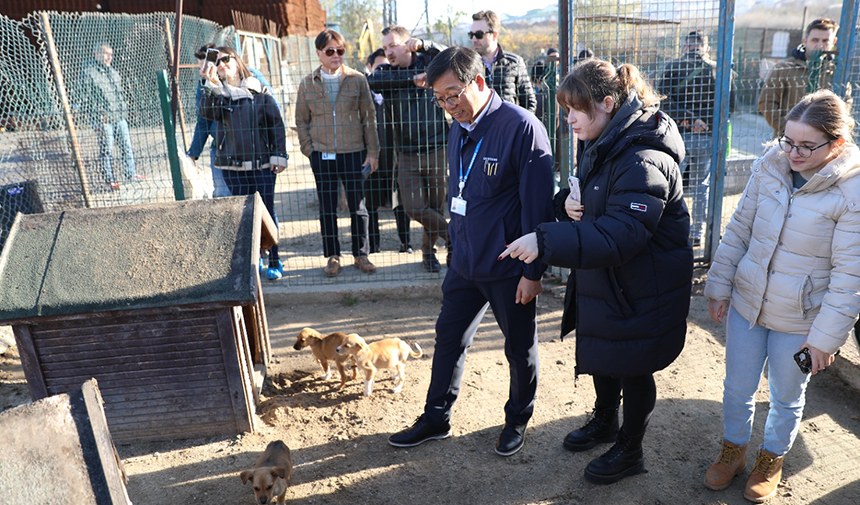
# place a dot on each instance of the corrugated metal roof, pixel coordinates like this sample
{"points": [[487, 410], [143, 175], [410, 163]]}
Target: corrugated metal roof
{"points": [[291, 17]]}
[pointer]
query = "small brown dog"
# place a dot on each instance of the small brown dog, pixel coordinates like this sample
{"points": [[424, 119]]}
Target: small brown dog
{"points": [[325, 350], [386, 353], [271, 475]]}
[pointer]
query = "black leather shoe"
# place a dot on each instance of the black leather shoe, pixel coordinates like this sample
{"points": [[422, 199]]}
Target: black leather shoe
{"points": [[623, 459], [431, 264], [511, 439], [421, 431], [602, 428]]}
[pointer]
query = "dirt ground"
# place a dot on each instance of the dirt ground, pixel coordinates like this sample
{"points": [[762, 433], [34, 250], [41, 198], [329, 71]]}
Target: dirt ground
{"points": [[338, 438]]}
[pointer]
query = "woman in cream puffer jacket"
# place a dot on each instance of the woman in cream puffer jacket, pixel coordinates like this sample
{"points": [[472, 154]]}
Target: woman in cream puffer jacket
{"points": [[789, 269]]}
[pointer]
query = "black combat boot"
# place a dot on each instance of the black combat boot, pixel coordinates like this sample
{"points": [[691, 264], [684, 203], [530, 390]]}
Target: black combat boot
{"points": [[601, 429], [621, 460]]}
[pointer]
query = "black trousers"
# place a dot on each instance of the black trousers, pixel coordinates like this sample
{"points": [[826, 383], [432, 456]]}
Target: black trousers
{"points": [[346, 167], [640, 396], [464, 303]]}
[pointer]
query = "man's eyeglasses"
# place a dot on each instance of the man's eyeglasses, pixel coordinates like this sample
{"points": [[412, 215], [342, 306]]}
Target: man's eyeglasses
{"points": [[802, 151], [224, 60], [452, 101], [479, 34], [330, 51]]}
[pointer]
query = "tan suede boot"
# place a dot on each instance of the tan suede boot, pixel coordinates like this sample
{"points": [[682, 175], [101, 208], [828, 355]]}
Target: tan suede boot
{"points": [[764, 478], [731, 461]]}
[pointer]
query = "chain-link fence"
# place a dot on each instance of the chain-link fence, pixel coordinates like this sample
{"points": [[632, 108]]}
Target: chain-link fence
{"points": [[90, 128], [83, 121], [727, 107]]}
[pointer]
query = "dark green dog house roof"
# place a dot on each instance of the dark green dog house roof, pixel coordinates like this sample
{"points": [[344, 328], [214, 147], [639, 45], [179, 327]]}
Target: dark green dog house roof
{"points": [[136, 257]]}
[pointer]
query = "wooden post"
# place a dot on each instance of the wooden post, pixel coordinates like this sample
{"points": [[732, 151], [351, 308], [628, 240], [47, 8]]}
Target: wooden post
{"points": [[173, 58], [67, 110]]}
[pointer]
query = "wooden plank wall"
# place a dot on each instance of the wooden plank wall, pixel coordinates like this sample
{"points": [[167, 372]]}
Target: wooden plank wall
{"points": [[162, 376]]}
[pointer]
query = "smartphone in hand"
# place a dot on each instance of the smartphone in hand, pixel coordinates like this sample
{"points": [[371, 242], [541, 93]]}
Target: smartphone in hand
{"points": [[212, 57], [366, 170]]}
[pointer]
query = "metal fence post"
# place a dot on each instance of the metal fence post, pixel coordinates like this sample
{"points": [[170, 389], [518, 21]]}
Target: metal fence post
{"points": [[722, 97], [845, 43], [170, 134]]}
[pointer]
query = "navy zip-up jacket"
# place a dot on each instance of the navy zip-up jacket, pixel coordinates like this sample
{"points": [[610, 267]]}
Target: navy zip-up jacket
{"points": [[508, 192]]}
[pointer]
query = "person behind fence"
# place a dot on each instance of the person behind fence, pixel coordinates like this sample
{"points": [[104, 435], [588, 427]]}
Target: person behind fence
{"points": [[204, 127], [104, 104], [785, 279], [380, 185], [420, 131], [501, 185], [250, 136], [506, 72], [336, 124], [811, 67], [625, 239], [689, 84]]}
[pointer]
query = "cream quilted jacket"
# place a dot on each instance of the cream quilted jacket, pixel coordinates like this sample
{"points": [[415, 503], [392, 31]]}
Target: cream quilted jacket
{"points": [[791, 262]]}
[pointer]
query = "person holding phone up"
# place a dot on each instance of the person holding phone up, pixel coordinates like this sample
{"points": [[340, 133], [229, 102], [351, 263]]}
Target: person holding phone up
{"points": [[785, 278], [250, 135], [336, 123]]}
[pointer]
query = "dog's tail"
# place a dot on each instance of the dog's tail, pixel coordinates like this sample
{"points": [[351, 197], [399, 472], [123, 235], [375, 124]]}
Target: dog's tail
{"points": [[415, 354]]}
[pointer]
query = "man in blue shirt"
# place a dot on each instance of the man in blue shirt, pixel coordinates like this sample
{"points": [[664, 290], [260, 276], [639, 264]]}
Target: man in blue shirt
{"points": [[500, 185]]}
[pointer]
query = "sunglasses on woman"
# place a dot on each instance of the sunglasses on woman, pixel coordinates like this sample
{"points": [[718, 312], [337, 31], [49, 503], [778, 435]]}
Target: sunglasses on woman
{"points": [[224, 60], [479, 34], [330, 51]]}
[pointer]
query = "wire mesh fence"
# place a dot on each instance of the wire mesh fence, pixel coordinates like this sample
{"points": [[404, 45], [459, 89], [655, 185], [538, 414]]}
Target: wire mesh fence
{"points": [[83, 124]]}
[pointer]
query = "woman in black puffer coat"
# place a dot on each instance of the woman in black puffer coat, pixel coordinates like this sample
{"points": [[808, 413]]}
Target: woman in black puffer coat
{"points": [[627, 244]]}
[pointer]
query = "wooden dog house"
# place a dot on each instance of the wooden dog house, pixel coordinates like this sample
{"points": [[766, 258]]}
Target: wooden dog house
{"points": [[161, 303]]}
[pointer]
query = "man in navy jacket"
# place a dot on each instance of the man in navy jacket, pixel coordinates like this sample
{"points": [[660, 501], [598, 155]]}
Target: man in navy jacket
{"points": [[500, 186]]}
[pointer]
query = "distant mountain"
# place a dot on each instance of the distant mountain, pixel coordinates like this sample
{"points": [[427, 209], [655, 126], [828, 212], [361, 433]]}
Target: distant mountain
{"points": [[548, 13]]}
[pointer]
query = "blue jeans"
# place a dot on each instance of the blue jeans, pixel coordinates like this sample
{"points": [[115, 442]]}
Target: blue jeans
{"points": [[248, 182], [108, 133], [747, 351], [696, 169], [218, 181]]}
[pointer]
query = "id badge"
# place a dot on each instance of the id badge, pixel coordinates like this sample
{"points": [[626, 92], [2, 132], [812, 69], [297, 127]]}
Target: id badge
{"points": [[329, 156], [458, 206]]}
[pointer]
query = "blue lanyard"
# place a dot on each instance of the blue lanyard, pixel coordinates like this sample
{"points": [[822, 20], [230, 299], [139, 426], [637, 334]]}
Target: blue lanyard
{"points": [[469, 170]]}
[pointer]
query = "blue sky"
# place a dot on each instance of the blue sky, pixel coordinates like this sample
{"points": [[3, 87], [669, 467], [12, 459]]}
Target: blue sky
{"points": [[410, 11]]}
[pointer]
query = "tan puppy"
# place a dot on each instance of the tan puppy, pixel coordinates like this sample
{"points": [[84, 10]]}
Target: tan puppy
{"points": [[386, 353], [271, 476], [325, 350]]}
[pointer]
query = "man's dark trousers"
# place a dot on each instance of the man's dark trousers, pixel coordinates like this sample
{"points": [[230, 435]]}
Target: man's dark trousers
{"points": [[463, 305]]}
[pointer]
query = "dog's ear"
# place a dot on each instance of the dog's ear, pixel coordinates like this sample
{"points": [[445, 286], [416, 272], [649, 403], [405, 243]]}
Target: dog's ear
{"points": [[246, 476], [278, 471]]}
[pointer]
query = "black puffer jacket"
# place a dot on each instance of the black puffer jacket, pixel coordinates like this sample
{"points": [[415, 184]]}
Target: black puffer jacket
{"points": [[419, 125], [629, 294], [510, 79]]}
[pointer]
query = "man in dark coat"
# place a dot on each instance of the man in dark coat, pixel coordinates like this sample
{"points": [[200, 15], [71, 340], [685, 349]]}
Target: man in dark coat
{"points": [[690, 84], [501, 186], [506, 72], [420, 131]]}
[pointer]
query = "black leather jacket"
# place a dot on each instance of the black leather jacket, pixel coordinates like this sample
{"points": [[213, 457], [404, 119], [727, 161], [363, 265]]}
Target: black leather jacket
{"points": [[419, 125], [510, 79]]}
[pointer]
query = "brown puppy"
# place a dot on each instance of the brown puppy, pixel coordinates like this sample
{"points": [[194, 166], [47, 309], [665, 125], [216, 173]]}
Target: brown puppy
{"points": [[270, 477], [325, 350], [386, 353]]}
